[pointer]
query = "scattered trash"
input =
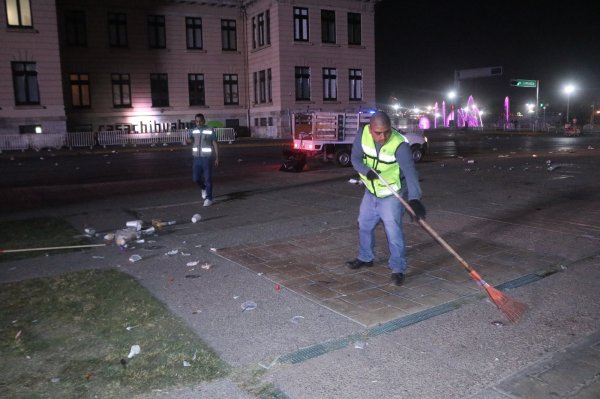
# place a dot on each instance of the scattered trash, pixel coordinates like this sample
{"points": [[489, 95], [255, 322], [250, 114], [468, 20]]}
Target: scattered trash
{"points": [[196, 218], [497, 323], [240, 160], [109, 236], [124, 363], [590, 147], [90, 231], [236, 296], [97, 257], [186, 363], [55, 380], [129, 328], [135, 350], [206, 266], [192, 264], [213, 249], [149, 230], [134, 258], [172, 252], [277, 287], [122, 237], [471, 161], [353, 181], [194, 357], [137, 224], [248, 305], [552, 167], [260, 273], [359, 345], [296, 319], [140, 241], [192, 276], [185, 254], [157, 223]]}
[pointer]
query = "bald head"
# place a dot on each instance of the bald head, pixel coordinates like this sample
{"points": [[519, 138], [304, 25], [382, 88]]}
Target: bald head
{"points": [[380, 127], [381, 119]]}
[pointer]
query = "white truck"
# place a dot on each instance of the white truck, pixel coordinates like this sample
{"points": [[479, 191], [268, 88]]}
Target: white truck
{"points": [[331, 134]]}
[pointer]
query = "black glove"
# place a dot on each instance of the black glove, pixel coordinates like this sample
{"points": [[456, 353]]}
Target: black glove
{"points": [[372, 175], [418, 208]]}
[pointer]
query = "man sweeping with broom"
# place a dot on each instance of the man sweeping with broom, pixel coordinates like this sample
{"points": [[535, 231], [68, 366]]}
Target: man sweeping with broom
{"points": [[382, 157], [381, 148]]}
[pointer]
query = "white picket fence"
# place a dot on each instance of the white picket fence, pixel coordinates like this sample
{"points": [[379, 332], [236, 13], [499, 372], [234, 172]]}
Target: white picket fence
{"points": [[71, 140]]}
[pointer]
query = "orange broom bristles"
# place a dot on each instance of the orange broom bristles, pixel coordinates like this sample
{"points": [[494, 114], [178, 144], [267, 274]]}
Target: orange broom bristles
{"points": [[511, 308]]}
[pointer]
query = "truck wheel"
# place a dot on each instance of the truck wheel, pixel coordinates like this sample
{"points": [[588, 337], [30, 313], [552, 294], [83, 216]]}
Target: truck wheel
{"points": [[343, 158], [417, 153]]}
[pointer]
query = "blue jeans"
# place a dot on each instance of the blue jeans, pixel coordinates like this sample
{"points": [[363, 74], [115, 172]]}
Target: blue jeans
{"points": [[202, 174], [388, 210]]}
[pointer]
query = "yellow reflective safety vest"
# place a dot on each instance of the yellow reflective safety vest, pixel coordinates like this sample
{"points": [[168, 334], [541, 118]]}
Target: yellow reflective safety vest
{"points": [[384, 162], [202, 146]]}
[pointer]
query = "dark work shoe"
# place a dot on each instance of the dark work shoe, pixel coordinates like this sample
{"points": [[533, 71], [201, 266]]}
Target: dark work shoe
{"points": [[357, 264], [397, 279]]}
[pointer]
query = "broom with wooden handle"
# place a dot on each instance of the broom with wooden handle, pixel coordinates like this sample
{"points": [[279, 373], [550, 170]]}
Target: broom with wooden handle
{"points": [[5, 251], [510, 307]]}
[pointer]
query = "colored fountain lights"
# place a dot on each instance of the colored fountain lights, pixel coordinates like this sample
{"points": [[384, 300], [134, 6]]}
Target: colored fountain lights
{"points": [[470, 116]]}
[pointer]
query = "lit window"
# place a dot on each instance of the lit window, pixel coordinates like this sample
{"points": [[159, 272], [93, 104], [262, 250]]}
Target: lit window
{"points": [[18, 13]]}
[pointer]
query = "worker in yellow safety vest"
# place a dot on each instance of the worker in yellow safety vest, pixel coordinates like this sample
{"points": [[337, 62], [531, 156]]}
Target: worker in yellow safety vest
{"points": [[206, 155], [381, 148]]}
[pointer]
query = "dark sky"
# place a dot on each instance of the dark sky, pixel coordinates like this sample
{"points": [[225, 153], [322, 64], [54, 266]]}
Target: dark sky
{"points": [[420, 44]]}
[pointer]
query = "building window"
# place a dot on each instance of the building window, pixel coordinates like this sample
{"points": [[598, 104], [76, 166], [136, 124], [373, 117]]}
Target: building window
{"points": [[269, 86], [25, 82], [80, 90], [75, 29], [193, 28], [253, 32], [300, 24], [230, 89], [329, 84], [228, 35], [117, 30], [159, 87], [121, 90], [261, 29], [354, 28], [18, 14], [262, 86], [268, 26], [196, 88], [260, 26], [302, 83], [356, 88], [156, 31], [328, 26], [263, 92], [255, 85]]}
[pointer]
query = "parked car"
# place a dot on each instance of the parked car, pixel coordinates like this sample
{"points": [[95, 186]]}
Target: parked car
{"points": [[418, 144]]}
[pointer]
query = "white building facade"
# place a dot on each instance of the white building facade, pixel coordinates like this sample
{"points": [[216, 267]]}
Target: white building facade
{"points": [[151, 65]]}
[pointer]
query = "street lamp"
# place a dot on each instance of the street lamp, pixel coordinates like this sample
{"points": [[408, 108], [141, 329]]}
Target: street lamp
{"points": [[568, 90]]}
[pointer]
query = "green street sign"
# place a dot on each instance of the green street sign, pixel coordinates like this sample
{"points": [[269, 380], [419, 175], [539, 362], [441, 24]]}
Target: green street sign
{"points": [[523, 83]]}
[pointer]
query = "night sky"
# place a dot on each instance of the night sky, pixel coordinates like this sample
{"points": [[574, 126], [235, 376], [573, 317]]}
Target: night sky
{"points": [[420, 44]]}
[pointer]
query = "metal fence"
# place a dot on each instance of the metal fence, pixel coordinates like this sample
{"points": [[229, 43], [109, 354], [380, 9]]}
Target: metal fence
{"points": [[71, 140]]}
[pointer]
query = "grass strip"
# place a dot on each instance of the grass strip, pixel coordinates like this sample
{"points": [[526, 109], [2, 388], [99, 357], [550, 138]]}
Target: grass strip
{"points": [[37, 233], [69, 337]]}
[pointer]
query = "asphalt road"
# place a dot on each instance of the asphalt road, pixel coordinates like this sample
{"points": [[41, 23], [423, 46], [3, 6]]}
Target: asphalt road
{"points": [[31, 179]]}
